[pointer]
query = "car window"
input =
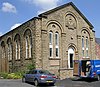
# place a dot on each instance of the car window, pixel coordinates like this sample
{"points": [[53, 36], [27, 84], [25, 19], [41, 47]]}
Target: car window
{"points": [[34, 72], [44, 72], [29, 72]]}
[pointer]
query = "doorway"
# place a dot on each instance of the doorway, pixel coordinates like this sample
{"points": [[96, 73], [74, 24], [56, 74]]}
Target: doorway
{"points": [[70, 57]]}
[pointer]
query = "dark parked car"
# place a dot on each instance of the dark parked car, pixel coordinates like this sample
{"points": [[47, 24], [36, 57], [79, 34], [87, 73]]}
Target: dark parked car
{"points": [[39, 76]]}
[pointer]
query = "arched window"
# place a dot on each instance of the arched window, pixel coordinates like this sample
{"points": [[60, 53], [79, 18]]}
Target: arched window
{"points": [[17, 46], [85, 43], [50, 44], [28, 43]]}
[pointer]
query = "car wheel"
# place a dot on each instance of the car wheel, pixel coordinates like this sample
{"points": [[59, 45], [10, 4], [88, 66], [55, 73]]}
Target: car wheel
{"points": [[23, 80], [98, 77], [36, 83]]}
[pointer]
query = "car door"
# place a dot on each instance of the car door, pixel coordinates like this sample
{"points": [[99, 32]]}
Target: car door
{"points": [[32, 75], [27, 76]]}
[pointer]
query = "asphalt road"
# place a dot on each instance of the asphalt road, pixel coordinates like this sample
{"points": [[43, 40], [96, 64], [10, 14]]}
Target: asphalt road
{"points": [[59, 83], [78, 83]]}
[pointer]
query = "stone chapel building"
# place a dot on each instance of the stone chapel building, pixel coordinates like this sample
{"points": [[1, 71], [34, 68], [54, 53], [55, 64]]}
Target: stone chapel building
{"points": [[52, 41]]}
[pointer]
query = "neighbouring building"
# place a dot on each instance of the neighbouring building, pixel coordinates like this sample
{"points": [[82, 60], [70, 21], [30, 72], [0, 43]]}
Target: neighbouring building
{"points": [[97, 48], [52, 41]]}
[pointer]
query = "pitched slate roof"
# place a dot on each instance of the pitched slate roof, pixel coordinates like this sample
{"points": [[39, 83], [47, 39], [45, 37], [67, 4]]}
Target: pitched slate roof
{"points": [[62, 6], [97, 40]]}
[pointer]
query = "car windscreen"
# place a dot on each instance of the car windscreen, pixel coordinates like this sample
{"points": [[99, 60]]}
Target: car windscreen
{"points": [[44, 72]]}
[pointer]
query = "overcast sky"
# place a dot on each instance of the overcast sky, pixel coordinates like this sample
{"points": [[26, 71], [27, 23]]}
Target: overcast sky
{"points": [[15, 12]]}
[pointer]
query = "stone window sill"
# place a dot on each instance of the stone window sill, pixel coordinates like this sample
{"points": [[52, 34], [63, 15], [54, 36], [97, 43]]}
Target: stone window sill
{"points": [[54, 58]]}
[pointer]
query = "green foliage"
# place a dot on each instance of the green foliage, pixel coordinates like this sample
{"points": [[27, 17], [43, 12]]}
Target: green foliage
{"points": [[3, 75], [14, 76], [30, 66], [17, 75]]}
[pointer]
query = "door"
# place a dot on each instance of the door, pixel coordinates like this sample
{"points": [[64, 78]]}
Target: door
{"points": [[70, 58], [76, 70]]}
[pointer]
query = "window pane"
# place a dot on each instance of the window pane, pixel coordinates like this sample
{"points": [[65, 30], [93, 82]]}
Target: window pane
{"points": [[26, 47], [50, 37], [56, 38], [56, 52], [19, 52], [87, 53], [50, 52], [83, 53], [71, 60], [86, 42], [82, 42], [16, 50], [30, 48]]}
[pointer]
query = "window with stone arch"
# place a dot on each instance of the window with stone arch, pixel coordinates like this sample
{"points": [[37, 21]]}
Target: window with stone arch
{"points": [[54, 40], [17, 46], [70, 21], [3, 50], [28, 43], [9, 51], [85, 43]]}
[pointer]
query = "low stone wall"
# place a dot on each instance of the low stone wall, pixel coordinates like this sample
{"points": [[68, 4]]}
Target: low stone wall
{"points": [[66, 73]]}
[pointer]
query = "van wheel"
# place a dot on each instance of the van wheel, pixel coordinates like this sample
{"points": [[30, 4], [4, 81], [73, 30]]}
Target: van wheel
{"points": [[98, 77], [36, 83]]}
